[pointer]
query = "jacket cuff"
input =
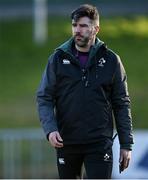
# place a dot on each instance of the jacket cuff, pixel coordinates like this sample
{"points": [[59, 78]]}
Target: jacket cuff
{"points": [[47, 136], [126, 146]]}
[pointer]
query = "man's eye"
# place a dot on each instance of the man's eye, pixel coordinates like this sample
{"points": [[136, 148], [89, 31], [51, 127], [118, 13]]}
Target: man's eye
{"points": [[84, 25], [74, 25]]}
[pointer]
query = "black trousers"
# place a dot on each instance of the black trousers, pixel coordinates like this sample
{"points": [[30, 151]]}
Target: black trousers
{"points": [[96, 158]]}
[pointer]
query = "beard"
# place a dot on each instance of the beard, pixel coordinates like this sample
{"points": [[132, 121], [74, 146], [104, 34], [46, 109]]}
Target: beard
{"points": [[81, 41]]}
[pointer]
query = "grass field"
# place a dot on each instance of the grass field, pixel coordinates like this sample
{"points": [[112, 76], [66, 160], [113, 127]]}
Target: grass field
{"points": [[22, 63]]}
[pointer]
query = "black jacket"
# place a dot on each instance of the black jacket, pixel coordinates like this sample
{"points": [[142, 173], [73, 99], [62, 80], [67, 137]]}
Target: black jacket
{"points": [[81, 103]]}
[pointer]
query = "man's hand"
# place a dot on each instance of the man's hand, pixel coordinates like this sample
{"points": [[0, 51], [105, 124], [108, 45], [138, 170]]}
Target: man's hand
{"points": [[125, 157], [55, 139]]}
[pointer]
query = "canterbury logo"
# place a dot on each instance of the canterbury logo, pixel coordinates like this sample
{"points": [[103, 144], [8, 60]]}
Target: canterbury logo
{"points": [[66, 61], [61, 161]]}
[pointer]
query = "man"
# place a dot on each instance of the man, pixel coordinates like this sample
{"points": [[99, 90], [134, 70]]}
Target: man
{"points": [[83, 86]]}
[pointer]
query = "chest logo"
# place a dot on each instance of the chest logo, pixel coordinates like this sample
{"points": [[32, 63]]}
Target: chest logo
{"points": [[66, 61], [101, 62]]}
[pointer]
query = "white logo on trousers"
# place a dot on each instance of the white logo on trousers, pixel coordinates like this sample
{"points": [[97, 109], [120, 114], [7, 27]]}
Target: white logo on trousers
{"points": [[61, 161]]}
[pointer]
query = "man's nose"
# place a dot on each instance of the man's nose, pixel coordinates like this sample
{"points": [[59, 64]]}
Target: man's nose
{"points": [[77, 29]]}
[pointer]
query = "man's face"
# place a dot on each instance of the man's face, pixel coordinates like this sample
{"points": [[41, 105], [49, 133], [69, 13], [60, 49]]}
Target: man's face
{"points": [[83, 31]]}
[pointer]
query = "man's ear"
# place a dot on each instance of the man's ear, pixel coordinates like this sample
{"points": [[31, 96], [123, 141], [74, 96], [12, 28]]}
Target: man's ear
{"points": [[97, 29]]}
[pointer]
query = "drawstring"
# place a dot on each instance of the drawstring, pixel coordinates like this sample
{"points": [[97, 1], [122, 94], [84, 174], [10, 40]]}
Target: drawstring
{"points": [[87, 82]]}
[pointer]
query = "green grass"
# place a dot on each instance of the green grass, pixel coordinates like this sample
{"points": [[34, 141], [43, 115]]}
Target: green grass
{"points": [[22, 63]]}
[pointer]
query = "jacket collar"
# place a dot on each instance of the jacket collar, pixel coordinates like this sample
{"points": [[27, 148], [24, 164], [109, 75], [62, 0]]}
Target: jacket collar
{"points": [[67, 48]]}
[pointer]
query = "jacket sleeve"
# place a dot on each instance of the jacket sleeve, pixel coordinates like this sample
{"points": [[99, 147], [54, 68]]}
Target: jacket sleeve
{"points": [[121, 107], [45, 98]]}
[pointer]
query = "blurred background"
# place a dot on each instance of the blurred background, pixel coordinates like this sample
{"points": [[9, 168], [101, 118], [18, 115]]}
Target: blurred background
{"points": [[29, 31]]}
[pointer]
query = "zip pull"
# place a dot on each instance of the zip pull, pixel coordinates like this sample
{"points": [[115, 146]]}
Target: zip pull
{"points": [[86, 84]]}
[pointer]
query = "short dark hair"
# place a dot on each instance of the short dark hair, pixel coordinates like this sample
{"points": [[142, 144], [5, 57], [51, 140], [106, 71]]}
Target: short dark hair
{"points": [[87, 10]]}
